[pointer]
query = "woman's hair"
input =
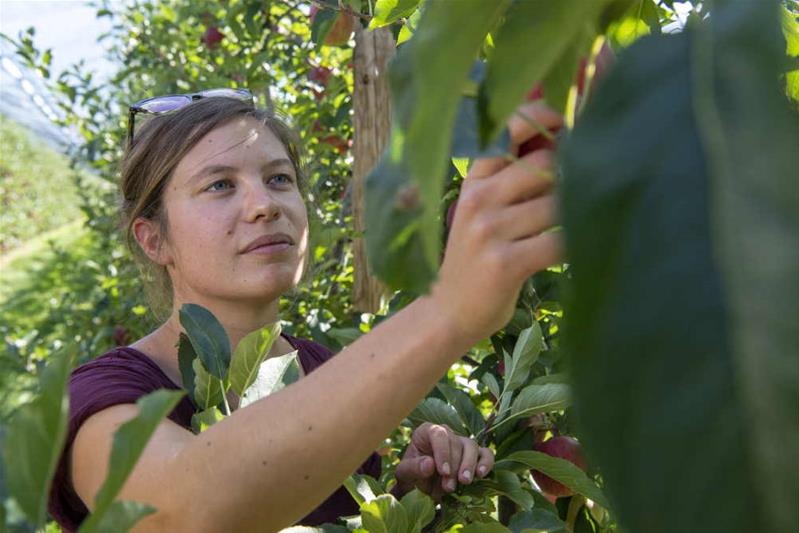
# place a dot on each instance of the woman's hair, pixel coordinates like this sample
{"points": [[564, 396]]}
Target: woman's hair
{"points": [[158, 146]]}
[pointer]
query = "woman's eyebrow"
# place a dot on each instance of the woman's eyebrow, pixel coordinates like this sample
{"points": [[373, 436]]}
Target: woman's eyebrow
{"points": [[210, 170]]}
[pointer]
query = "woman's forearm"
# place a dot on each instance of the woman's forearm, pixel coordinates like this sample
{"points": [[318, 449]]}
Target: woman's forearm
{"points": [[274, 461]]}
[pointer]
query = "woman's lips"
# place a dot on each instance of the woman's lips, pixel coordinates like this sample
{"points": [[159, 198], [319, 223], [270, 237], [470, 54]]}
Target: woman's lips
{"points": [[269, 249]]}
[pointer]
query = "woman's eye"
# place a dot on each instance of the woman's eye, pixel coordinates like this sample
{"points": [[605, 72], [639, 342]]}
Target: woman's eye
{"points": [[219, 182], [287, 179]]}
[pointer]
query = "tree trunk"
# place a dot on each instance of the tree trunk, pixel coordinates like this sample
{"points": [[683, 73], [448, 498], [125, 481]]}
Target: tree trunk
{"points": [[372, 125]]}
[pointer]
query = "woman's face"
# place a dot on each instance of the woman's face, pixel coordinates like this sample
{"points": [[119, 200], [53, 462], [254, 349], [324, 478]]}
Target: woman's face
{"points": [[237, 184]]}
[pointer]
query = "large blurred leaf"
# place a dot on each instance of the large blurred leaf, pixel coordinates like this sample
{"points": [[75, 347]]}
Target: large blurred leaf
{"points": [[248, 356], [535, 34], [129, 442], [208, 337], [558, 469], [403, 193], [681, 227], [33, 441], [120, 516]]}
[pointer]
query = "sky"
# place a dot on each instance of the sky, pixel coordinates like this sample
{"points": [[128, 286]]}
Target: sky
{"points": [[71, 29]]}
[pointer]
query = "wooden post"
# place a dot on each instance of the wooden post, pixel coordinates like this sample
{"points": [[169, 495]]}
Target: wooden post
{"points": [[372, 125]]}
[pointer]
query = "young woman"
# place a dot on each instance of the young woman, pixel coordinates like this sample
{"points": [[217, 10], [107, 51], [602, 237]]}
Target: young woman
{"points": [[212, 195]]}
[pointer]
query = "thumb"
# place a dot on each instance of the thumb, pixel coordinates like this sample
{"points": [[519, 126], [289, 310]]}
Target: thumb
{"points": [[416, 468]]}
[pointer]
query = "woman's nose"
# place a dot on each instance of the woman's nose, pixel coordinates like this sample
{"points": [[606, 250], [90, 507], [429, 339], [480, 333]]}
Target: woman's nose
{"points": [[261, 202]]}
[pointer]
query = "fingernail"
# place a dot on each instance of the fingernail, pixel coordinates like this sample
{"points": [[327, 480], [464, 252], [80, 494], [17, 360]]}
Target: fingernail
{"points": [[482, 470], [451, 484], [467, 475], [445, 468]]}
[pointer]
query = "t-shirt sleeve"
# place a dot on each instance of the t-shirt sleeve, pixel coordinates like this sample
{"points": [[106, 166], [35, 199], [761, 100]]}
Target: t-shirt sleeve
{"points": [[94, 386]]}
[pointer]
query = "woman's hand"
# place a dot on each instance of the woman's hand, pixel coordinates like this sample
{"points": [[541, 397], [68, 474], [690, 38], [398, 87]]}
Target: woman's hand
{"points": [[437, 459], [498, 237]]}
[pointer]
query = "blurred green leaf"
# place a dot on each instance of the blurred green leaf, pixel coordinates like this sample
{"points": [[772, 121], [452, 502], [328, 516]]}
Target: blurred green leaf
{"points": [[129, 442], [34, 440], [687, 346]]}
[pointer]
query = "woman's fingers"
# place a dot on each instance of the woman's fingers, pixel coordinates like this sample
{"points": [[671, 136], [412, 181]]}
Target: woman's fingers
{"points": [[523, 220], [528, 121], [468, 461], [535, 253], [532, 119], [485, 462]]}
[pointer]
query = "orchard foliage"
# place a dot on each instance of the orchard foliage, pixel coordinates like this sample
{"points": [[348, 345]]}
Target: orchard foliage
{"points": [[677, 370]]}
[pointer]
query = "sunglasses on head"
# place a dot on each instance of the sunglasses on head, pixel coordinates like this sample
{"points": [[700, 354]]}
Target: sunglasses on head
{"points": [[158, 105]]}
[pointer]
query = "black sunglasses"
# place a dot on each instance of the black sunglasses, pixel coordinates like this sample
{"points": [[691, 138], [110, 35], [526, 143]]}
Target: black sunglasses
{"points": [[164, 104]]}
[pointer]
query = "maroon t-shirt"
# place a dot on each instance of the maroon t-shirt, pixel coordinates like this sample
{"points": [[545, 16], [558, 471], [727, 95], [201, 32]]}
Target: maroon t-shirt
{"points": [[125, 374]]}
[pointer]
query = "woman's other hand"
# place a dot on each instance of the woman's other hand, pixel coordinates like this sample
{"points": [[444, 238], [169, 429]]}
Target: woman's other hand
{"points": [[498, 237], [437, 459]]}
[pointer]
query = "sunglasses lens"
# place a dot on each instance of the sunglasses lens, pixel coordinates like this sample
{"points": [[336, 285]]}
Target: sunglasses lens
{"points": [[165, 103], [234, 93]]}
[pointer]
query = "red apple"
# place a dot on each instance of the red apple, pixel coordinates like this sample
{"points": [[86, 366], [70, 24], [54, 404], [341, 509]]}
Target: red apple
{"points": [[320, 75], [342, 28], [501, 368], [212, 37], [566, 448], [121, 336], [604, 60], [336, 142]]}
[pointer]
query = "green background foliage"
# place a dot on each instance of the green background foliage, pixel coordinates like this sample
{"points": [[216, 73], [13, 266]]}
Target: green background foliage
{"points": [[675, 235]]}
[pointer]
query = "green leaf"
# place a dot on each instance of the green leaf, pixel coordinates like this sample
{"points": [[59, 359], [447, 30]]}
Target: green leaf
{"points": [[525, 352], [34, 439], [687, 348], [129, 442], [120, 516], [419, 508], [422, 140], [508, 483], [207, 389], [467, 411], [388, 11], [790, 30], [558, 469], [202, 420], [363, 488], [384, 514], [436, 411], [491, 382], [186, 357], [248, 356], [537, 520], [208, 337], [274, 374], [484, 527], [544, 28], [322, 24]]}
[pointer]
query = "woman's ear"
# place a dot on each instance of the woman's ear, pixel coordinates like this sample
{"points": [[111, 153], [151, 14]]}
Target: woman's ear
{"points": [[152, 243]]}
